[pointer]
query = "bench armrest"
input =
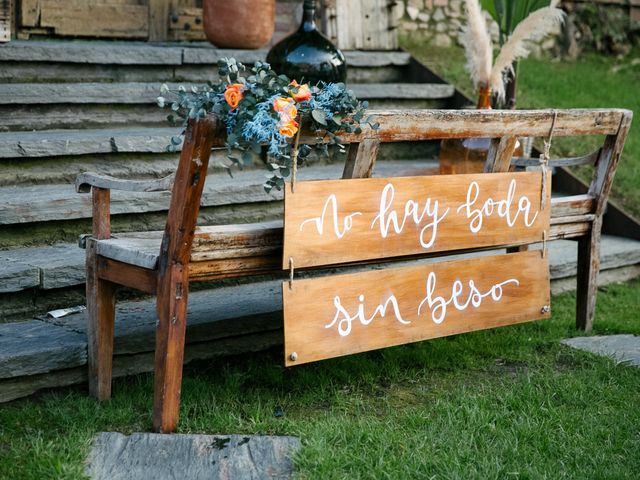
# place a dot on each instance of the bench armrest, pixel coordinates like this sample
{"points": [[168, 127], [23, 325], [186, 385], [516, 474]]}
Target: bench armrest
{"points": [[85, 181]]}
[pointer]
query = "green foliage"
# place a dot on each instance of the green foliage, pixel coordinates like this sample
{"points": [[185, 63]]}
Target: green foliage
{"points": [[605, 28], [509, 13], [254, 123]]}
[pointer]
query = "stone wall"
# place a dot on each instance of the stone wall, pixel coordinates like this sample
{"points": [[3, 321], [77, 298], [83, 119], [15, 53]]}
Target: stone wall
{"points": [[440, 21]]}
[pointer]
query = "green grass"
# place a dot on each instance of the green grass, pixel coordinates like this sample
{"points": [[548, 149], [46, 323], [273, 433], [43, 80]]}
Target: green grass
{"points": [[592, 80], [504, 403]]}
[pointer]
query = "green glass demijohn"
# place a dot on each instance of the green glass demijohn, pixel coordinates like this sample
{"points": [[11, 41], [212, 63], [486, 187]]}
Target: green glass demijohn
{"points": [[307, 55]]}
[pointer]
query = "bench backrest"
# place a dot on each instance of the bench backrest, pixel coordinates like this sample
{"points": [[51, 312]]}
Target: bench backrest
{"points": [[572, 215]]}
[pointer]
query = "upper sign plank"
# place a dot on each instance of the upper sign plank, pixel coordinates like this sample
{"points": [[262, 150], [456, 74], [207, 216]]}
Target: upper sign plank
{"points": [[340, 221]]}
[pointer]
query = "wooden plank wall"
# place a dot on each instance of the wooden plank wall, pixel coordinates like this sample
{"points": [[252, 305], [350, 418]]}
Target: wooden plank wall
{"points": [[85, 18], [361, 24], [6, 9]]}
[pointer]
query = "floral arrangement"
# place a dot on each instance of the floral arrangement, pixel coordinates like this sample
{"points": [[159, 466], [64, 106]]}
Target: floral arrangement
{"points": [[261, 108], [487, 73]]}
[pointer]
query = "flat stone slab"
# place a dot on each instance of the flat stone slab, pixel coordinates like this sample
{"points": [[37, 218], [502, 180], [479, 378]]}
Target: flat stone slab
{"points": [[16, 276], [622, 348], [141, 456], [33, 347], [56, 266]]}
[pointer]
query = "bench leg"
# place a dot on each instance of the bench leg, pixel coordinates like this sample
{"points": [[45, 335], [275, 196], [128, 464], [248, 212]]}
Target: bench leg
{"points": [[587, 288], [169, 356], [101, 310]]}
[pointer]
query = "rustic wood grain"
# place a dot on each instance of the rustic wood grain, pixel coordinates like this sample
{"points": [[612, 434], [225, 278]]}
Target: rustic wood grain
{"points": [[361, 159], [158, 19], [127, 275], [101, 216], [398, 125], [94, 18], [309, 304], [589, 159], [589, 246], [173, 274], [101, 303], [87, 180], [499, 154], [308, 247]]}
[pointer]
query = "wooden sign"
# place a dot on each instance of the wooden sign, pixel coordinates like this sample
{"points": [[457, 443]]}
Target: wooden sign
{"points": [[344, 314], [341, 221]]}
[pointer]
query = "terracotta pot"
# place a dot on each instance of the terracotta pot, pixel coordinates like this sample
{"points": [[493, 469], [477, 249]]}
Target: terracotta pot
{"points": [[239, 23]]}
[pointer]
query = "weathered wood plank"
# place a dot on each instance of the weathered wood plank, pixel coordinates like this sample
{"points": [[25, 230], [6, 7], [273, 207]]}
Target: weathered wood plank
{"points": [[85, 181], [340, 221], [344, 314], [158, 22], [6, 20], [499, 154], [361, 159], [589, 159], [572, 205], [433, 124], [101, 305], [173, 273], [127, 275], [94, 19]]}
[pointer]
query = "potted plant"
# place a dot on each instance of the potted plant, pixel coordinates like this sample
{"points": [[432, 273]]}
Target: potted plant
{"points": [[521, 23]]}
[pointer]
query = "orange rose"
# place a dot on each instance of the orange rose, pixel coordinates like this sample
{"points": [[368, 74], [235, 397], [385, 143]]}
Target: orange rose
{"points": [[285, 106], [233, 94], [288, 128], [303, 94]]}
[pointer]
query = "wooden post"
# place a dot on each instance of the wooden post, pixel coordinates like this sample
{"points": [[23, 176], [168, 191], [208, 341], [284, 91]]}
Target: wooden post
{"points": [[6, 20], [173, 271], [101, 303], [158, 20], [500, 154], [589, 246], [361, 159]]}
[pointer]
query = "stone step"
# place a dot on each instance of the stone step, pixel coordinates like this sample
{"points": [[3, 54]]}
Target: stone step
{"points": [[96, 61], [42, 203], [147, 92], [47, 352], [29, 106]]}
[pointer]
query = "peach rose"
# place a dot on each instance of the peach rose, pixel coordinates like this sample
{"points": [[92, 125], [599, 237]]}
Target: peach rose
{"points": [[285, 106], [233, 94], [303, 94], [288, 128]]}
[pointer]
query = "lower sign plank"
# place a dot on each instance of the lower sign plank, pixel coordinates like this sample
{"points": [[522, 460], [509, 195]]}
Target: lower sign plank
{"points": [[344, 314]]}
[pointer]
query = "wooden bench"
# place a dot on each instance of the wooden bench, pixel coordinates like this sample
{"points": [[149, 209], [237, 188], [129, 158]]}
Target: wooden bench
{"points": [[163, 263]]}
